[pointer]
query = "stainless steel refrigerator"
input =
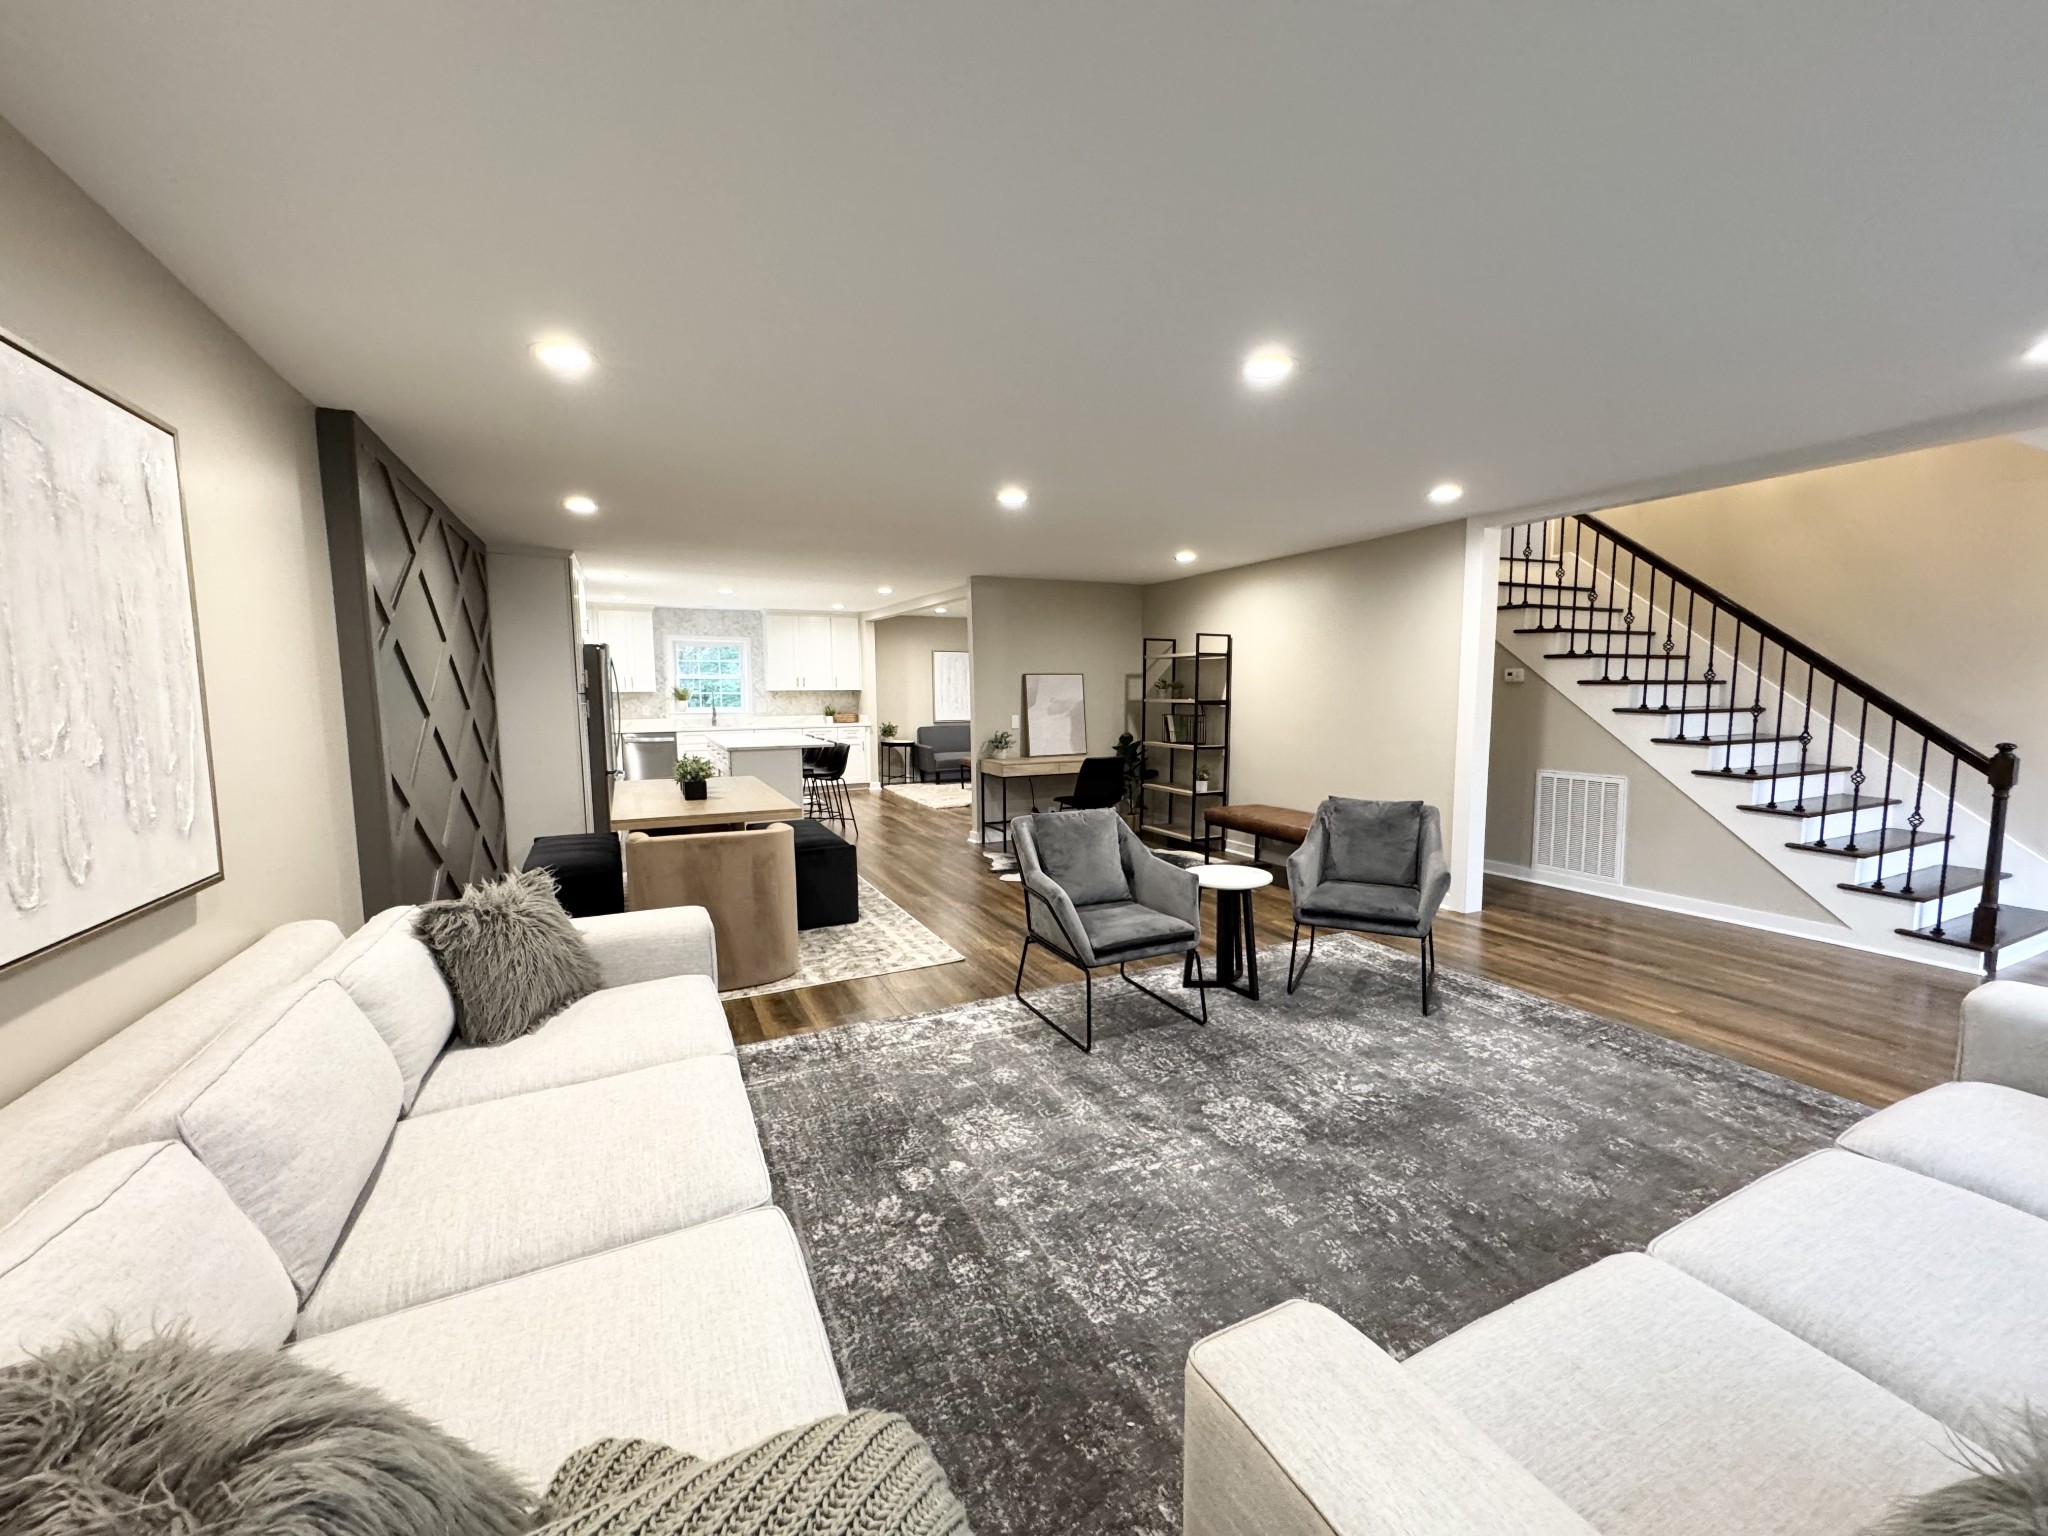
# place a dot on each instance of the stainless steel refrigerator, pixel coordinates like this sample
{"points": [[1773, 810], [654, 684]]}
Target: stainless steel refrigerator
{"points": [[602, 737]]}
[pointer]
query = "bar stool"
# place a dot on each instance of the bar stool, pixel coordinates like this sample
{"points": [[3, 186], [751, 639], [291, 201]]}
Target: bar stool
{"points": [[825, 793]]}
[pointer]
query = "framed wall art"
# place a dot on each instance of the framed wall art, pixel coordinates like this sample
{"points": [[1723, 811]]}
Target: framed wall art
{"points": [[106, 774], [1055, 714]]}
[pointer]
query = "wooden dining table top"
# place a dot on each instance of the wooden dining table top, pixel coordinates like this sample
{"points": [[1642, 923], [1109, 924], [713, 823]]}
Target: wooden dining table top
{"points": [[733, 800]]}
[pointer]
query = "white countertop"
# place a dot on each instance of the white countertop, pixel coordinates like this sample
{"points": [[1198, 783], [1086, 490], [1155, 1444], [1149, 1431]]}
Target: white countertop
{"points": [[765, 741]]}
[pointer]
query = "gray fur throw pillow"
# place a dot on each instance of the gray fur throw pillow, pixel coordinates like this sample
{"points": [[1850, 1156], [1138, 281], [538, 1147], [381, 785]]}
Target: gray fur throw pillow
{"points": [[172, 1438], [854, 1474], [512, 957], [2007, 1495]]}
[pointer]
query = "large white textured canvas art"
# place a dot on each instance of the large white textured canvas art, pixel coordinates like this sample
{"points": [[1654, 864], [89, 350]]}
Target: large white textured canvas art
{"points": [[106, 787], [1055, 714]]}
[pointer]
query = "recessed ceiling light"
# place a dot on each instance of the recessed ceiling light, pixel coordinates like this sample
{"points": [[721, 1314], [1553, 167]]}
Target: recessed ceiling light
{"points": [[725, 591], [1268, 367], [564, 359], [2037, 353], [1013, 498], [580, 504], [938, 610], [1443, 495], [1185, 557], [838, 607], [885, 591]]}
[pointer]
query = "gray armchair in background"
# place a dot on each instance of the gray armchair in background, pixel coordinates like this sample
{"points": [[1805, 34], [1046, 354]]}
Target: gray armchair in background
{"points": [[1370, 866], [941, 751], [1096, 896]]}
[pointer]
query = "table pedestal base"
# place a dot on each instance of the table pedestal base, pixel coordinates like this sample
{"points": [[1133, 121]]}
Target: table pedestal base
{"points": [[1237, 952]]}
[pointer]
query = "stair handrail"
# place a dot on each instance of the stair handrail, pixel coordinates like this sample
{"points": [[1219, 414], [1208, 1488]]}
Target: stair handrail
{"points": [[1948, 741]]}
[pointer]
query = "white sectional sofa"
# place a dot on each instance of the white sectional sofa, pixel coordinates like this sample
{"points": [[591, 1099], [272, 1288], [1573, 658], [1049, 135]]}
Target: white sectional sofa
{"points": [[1789, 1361], [536, 1244]]}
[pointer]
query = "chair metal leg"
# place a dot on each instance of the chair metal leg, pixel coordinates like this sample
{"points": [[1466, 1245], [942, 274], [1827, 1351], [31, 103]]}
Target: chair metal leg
{"points": [[1168, 1002], [1293, 944], [1428, 959], [1087, 1043]]}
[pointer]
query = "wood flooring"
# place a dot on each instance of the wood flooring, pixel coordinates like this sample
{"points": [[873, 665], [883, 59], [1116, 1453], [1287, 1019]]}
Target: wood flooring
{"points": [[1870, 1028]]}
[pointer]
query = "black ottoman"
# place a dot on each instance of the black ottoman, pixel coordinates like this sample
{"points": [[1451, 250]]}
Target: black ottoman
{"points": [[586, 868], [827, 877]]}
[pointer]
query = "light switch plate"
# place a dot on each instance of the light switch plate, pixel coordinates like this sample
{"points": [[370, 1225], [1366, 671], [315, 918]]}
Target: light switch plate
{"points": [[1514, 674]]}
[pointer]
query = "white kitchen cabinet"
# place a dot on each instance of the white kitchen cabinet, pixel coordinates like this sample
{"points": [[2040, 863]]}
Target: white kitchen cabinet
{"points": [[847, 673], [811, 652], [856, 739], [629, 632]]}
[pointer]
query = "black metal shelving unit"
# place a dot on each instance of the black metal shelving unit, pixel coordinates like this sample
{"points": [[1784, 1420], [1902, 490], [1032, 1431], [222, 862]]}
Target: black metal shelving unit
{"points": [[1186, 736]]}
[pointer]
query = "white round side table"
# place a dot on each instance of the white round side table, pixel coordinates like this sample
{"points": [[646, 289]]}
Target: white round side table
{"points": [[1237, 951]]}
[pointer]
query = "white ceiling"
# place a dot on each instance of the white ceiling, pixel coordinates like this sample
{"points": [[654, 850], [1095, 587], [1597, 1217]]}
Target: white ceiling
{"points": [[847, 268]]}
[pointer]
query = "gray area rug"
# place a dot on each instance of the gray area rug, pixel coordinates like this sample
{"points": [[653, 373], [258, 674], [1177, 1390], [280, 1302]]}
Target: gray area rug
{"points": [[886, 939], [1014, 1244]]}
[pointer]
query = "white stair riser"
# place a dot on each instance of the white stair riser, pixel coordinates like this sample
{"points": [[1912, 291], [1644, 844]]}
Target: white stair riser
{"points": [[1760, 755], [1810, 829], [1806, 786], [1864, 870]]}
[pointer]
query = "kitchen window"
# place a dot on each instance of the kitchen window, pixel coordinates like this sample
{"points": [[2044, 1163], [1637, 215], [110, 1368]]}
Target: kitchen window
{"points": [[715, 672]]}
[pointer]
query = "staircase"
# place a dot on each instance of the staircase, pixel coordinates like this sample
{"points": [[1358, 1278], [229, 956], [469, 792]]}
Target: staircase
{"points": [[1893, 825]]}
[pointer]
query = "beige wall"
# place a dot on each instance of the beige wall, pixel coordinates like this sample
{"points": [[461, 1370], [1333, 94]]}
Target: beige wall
{"points": [[537, 659], [1674, 846], [903, 668], [1345, 667], [1019, 625], [77, 289], [1923, 572]]}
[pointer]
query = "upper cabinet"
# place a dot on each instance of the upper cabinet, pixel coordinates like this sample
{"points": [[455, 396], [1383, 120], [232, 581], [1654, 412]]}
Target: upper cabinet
{"points": [[629, 632], [813, 652]]}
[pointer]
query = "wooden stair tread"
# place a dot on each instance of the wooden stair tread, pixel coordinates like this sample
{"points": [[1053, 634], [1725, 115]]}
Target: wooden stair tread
{"points": [[1873, 842], [2014, 925], [1717, 741], [1652, 682], [1833, 805], [1929, 882], [1752, 775]]}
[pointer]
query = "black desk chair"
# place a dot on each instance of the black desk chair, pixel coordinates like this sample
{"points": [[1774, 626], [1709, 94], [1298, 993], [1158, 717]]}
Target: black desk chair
{"points": [[1099, 786]]}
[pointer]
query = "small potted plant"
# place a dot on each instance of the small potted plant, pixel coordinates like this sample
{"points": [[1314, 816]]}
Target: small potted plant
{"points": [[832, 713], [682, 698], [888, 730], [997, 744], [694, 773]]}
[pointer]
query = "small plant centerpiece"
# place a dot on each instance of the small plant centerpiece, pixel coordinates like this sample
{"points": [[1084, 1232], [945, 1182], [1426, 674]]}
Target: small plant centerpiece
{"points": [[682, 696], [997, 744], [694, 773], [888, 730]]}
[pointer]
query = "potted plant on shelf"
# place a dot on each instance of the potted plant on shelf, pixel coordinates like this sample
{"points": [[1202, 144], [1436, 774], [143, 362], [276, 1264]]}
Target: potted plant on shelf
{"points": [[694, 773], [997, 744]]}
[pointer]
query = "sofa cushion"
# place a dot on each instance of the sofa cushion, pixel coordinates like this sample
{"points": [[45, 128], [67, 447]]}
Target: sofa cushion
{"points": [[511, 955], [1373, 842], [1355, 901], [1114, 926], [706, 1338], [1080, 852], [387, 970], [67, 1120], [469, 1196], [1931, 1291], [295, 1122], [1655, 1406], [1982, 1137], [140, 1239], [620, 1029]]}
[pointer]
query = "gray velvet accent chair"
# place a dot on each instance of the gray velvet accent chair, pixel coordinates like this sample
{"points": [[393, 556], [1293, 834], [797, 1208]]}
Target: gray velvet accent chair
{"points": [[1370, 866], [942, 751], [1096, 896]]}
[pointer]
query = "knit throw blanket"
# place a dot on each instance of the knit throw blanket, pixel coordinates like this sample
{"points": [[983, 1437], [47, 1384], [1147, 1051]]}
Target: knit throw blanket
{"points": [[856, 1474]]}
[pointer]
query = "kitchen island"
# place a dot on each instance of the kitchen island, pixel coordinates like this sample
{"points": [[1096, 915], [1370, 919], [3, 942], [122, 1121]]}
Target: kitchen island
{"points": [[696, 736], [776, 758]]}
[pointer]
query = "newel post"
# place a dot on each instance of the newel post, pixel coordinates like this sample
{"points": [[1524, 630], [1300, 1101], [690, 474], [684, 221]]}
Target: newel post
{"points": [[2003, 774]]}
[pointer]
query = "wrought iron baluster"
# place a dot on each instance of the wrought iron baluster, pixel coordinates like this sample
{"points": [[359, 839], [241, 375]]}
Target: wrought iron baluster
{"points": [[1784, 656], [1856, 783], [1914, 822], [1948, 845]]}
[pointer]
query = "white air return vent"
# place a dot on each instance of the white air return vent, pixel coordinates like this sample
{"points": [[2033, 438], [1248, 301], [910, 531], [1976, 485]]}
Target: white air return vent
{"points": [[1581, 823]]}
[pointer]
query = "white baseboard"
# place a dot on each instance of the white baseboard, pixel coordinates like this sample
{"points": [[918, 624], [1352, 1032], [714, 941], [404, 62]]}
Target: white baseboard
{"points": [[1740, 917]]}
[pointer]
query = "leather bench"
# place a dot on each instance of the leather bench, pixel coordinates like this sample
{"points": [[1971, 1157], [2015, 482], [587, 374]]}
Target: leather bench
{"points": [[589, 876], [1262, 822]]}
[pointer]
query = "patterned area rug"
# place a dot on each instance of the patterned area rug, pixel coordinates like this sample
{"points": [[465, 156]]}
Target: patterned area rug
{"points": [[1015, 1244], [886, 939], [933, 797]]}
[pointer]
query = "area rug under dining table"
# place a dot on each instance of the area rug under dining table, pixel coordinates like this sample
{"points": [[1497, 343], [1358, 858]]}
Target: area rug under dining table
{"points": [[1014, 1243]]}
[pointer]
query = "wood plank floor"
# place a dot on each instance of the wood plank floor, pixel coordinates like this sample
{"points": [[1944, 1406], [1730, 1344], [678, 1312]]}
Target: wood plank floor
{"points": [[1861, 1025]]}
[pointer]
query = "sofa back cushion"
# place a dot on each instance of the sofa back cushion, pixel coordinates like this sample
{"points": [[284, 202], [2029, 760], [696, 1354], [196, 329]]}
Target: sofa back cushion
{"points": [[294, 1122], [1372, 842], [1081, 852], [139, 1240], [951, 737], [69, 1119], [394, 980]]}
